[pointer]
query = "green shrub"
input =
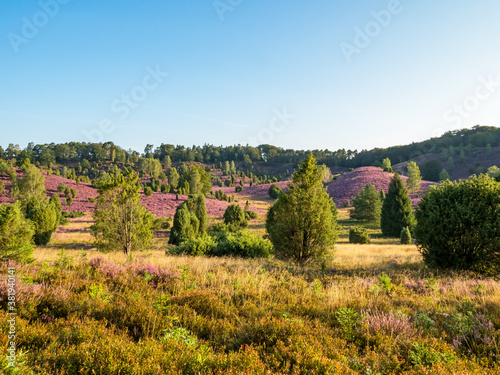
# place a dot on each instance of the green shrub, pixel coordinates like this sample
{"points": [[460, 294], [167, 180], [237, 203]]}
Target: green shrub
{"points": [[73, 214], [243, 244], [16, 234], [55, 200], [148, 191], [359, 235], [458, 225], [405, 236], [61, 187], [2, 187], [162, 223], [44, 217], [250, 215], [200, 245], [4, 167], [235, 216], [349, 321], [386, 165], [69, 201], [73, 193], [275, 191], [238, 189]]}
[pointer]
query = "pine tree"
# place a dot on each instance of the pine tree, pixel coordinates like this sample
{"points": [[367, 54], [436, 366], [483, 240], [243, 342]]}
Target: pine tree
{"points": [[414, 178], [29, 188], [173, 178], [121, 221], [386, 165], [167, 162], [396, 210], [302, 223], [367, 205]]}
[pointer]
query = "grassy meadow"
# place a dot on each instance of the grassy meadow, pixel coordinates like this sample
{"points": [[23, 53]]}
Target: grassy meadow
{"points": [[371, 309]]}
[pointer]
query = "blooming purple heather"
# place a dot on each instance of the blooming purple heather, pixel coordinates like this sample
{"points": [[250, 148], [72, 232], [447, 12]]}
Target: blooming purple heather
{"points": [[390, 324]]}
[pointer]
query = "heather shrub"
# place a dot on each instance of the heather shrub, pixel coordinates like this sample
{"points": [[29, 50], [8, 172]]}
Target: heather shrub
{"points": [[458, 225], [359, 235], [107, 269], [155, 274], [395, 325], [473, 333]]}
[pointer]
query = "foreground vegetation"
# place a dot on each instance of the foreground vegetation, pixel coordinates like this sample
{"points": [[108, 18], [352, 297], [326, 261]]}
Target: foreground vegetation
{"points": [[377, 310]]}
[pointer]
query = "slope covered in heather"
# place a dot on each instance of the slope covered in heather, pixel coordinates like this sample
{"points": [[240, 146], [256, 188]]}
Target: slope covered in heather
{"points": [[346, 186]]}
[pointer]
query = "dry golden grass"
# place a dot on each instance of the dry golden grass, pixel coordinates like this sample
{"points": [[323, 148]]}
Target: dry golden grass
{"points": [[374, 256]]}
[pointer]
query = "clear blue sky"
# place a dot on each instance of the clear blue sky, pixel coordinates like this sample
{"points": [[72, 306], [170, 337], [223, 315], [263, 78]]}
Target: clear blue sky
{"points": [[68, 69]]}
